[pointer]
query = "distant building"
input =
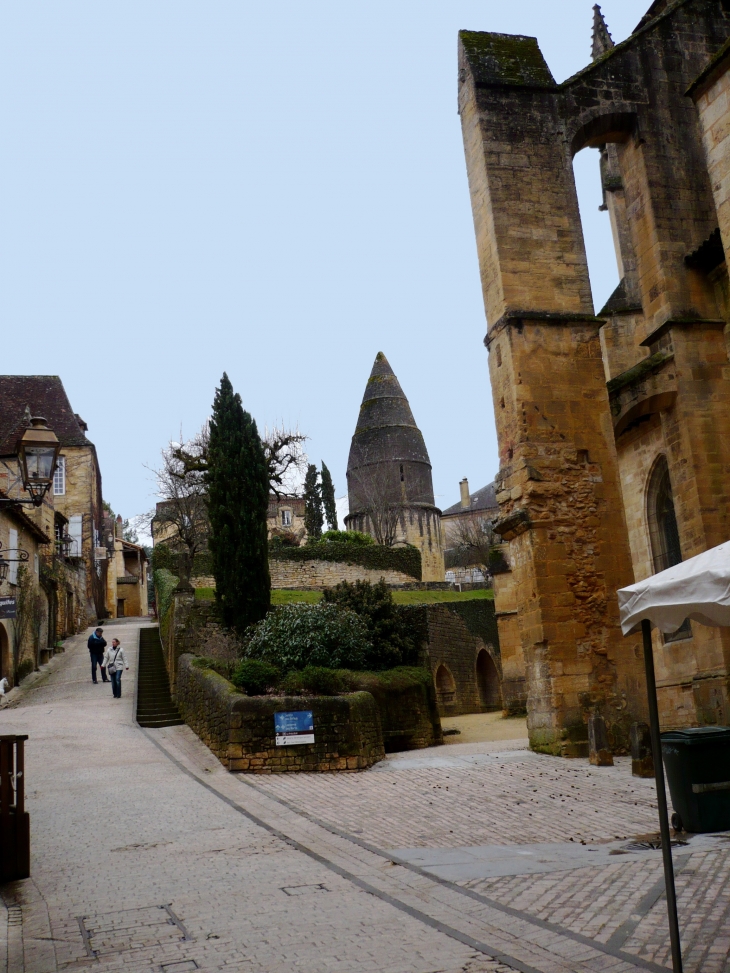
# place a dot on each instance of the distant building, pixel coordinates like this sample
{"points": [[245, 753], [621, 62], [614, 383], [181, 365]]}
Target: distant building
{"points": [[389, 482], [478, 506], [285, 519]]}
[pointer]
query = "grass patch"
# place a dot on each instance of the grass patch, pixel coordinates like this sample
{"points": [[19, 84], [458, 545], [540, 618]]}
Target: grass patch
{"points": [[290, 596], [205, 594], [438, 597]]}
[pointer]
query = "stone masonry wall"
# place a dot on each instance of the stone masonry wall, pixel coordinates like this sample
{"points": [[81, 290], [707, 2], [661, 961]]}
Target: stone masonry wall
{"points": [[240, 729], [327, 574]]}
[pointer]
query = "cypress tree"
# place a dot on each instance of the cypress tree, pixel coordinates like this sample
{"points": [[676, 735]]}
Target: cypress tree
{"points": [[328, 498], [238, 499], [313, 516]]}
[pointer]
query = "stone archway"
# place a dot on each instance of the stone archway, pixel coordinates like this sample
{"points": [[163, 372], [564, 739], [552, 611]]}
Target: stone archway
{"points": [[488, 682], [445, 685]]}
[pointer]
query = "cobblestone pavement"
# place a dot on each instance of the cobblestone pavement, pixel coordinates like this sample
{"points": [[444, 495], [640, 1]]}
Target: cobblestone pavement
{"points": [[147, 855]]}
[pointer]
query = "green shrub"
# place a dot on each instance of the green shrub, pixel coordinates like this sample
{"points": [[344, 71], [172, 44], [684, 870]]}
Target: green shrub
{"points": [[163, 558], [347, 537], [24, 669], [254, 676], [319, 681], [374, 556], [165, 583], [393, 643], [296, 636]]}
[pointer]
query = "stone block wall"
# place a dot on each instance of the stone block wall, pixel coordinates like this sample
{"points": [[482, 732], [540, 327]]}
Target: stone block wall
{"points": [[240, 729], [192, 626], [461, 644], [327, 574], [408, 708]]}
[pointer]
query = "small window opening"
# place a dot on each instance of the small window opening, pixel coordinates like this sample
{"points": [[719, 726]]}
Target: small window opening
{"points": [[498, 355], [402, 475]]}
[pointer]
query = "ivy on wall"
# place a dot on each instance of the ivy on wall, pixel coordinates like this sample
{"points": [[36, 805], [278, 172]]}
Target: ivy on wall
{"points": [[405, 559]]}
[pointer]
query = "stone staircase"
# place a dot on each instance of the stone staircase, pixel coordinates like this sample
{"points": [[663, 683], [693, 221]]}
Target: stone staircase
{"points": [[155, 707]]}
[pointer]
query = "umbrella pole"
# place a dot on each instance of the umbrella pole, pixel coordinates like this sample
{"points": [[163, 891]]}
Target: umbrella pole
{"points": [[661, 794]]}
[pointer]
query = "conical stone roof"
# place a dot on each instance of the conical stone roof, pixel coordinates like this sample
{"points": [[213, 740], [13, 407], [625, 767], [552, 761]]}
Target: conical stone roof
{"points": [[388, 454]]}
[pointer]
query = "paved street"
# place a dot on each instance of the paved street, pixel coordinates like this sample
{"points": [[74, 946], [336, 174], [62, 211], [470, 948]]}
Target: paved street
{"points": [[148, 856]]}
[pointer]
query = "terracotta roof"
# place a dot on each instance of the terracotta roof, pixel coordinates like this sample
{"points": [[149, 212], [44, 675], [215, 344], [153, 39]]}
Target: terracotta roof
{"points": [[43, 395], [484, 499]]}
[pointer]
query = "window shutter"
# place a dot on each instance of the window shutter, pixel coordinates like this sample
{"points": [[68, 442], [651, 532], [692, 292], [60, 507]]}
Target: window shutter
{"points": [[13, 552], [75, 530]]}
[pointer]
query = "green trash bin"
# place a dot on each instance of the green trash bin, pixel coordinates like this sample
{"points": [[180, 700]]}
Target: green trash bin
{"points": [[697, 762]]}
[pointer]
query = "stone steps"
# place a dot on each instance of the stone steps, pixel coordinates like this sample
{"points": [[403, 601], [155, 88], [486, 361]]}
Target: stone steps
{"points": [[155, 707]]}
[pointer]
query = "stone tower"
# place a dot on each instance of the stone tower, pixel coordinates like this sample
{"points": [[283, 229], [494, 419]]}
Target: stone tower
{"points": [[389, 474], [594, 412]]}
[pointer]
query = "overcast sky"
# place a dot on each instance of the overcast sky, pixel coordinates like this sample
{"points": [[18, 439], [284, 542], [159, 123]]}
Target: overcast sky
{"points": [[273, 190]]}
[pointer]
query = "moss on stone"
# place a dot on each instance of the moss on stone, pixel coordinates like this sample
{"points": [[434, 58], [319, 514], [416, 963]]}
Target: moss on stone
{"points": [[637, 372], [509, 59]]}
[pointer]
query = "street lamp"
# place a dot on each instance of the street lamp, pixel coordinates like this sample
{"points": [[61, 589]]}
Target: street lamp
{"points": [[38, 450], [4, 565]]}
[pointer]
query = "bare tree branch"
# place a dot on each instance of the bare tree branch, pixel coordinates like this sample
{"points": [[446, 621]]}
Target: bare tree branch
{"points": [[286, 460], [472, 539], [181, 518]]}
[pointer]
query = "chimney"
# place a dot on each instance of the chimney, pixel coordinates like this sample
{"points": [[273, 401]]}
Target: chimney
{"points": [[119, 528], [465, 498]]}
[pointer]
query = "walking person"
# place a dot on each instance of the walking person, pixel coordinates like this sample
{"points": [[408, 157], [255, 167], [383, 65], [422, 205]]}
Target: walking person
{"points": [[97, 644], [115, 663]]}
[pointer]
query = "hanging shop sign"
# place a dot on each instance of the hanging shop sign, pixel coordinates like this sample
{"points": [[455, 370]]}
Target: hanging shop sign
{"points": [[8, 608], [292, 728]]}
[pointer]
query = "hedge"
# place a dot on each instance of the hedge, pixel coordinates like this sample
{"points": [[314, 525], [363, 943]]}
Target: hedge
{"points": [[405, 559]]}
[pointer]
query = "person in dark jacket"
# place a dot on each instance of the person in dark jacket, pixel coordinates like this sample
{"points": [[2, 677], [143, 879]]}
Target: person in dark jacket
{"points": [[97, 644]]}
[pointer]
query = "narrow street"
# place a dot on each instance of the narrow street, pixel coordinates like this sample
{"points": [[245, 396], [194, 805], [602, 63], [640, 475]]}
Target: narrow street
{"points": [[148, 856]]}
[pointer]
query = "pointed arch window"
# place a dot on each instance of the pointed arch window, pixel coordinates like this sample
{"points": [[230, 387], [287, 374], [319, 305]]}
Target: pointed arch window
{"points": [[666, 550]]}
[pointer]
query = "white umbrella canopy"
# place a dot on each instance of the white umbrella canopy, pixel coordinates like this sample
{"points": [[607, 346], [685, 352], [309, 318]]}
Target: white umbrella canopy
{"points": [[698, 589]]}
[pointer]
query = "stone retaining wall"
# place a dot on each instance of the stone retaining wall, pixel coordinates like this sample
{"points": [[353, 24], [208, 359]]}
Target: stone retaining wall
{"points": [[240, 729], [327, 574]]}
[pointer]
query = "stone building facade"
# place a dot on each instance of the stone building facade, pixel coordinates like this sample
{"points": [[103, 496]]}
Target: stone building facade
{"points": [[613, 429], [389, 483], [76, 492]]}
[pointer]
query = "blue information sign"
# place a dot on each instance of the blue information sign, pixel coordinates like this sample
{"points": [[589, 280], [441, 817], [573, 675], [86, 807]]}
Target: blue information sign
{"points": [[292, 728]]}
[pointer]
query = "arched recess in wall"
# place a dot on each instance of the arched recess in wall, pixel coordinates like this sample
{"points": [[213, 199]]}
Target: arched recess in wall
{"points": [[488, 683], [666, 550], [5, 666], [445, 685]]}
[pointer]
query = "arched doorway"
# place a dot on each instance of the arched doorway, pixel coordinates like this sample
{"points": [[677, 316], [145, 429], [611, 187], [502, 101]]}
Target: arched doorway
{"points": [[490, 690], [445, 686], [661, 516], [5, 666]]}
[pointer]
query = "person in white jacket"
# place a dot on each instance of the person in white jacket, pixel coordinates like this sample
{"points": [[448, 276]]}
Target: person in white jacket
{"points": [[115, 663]]}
